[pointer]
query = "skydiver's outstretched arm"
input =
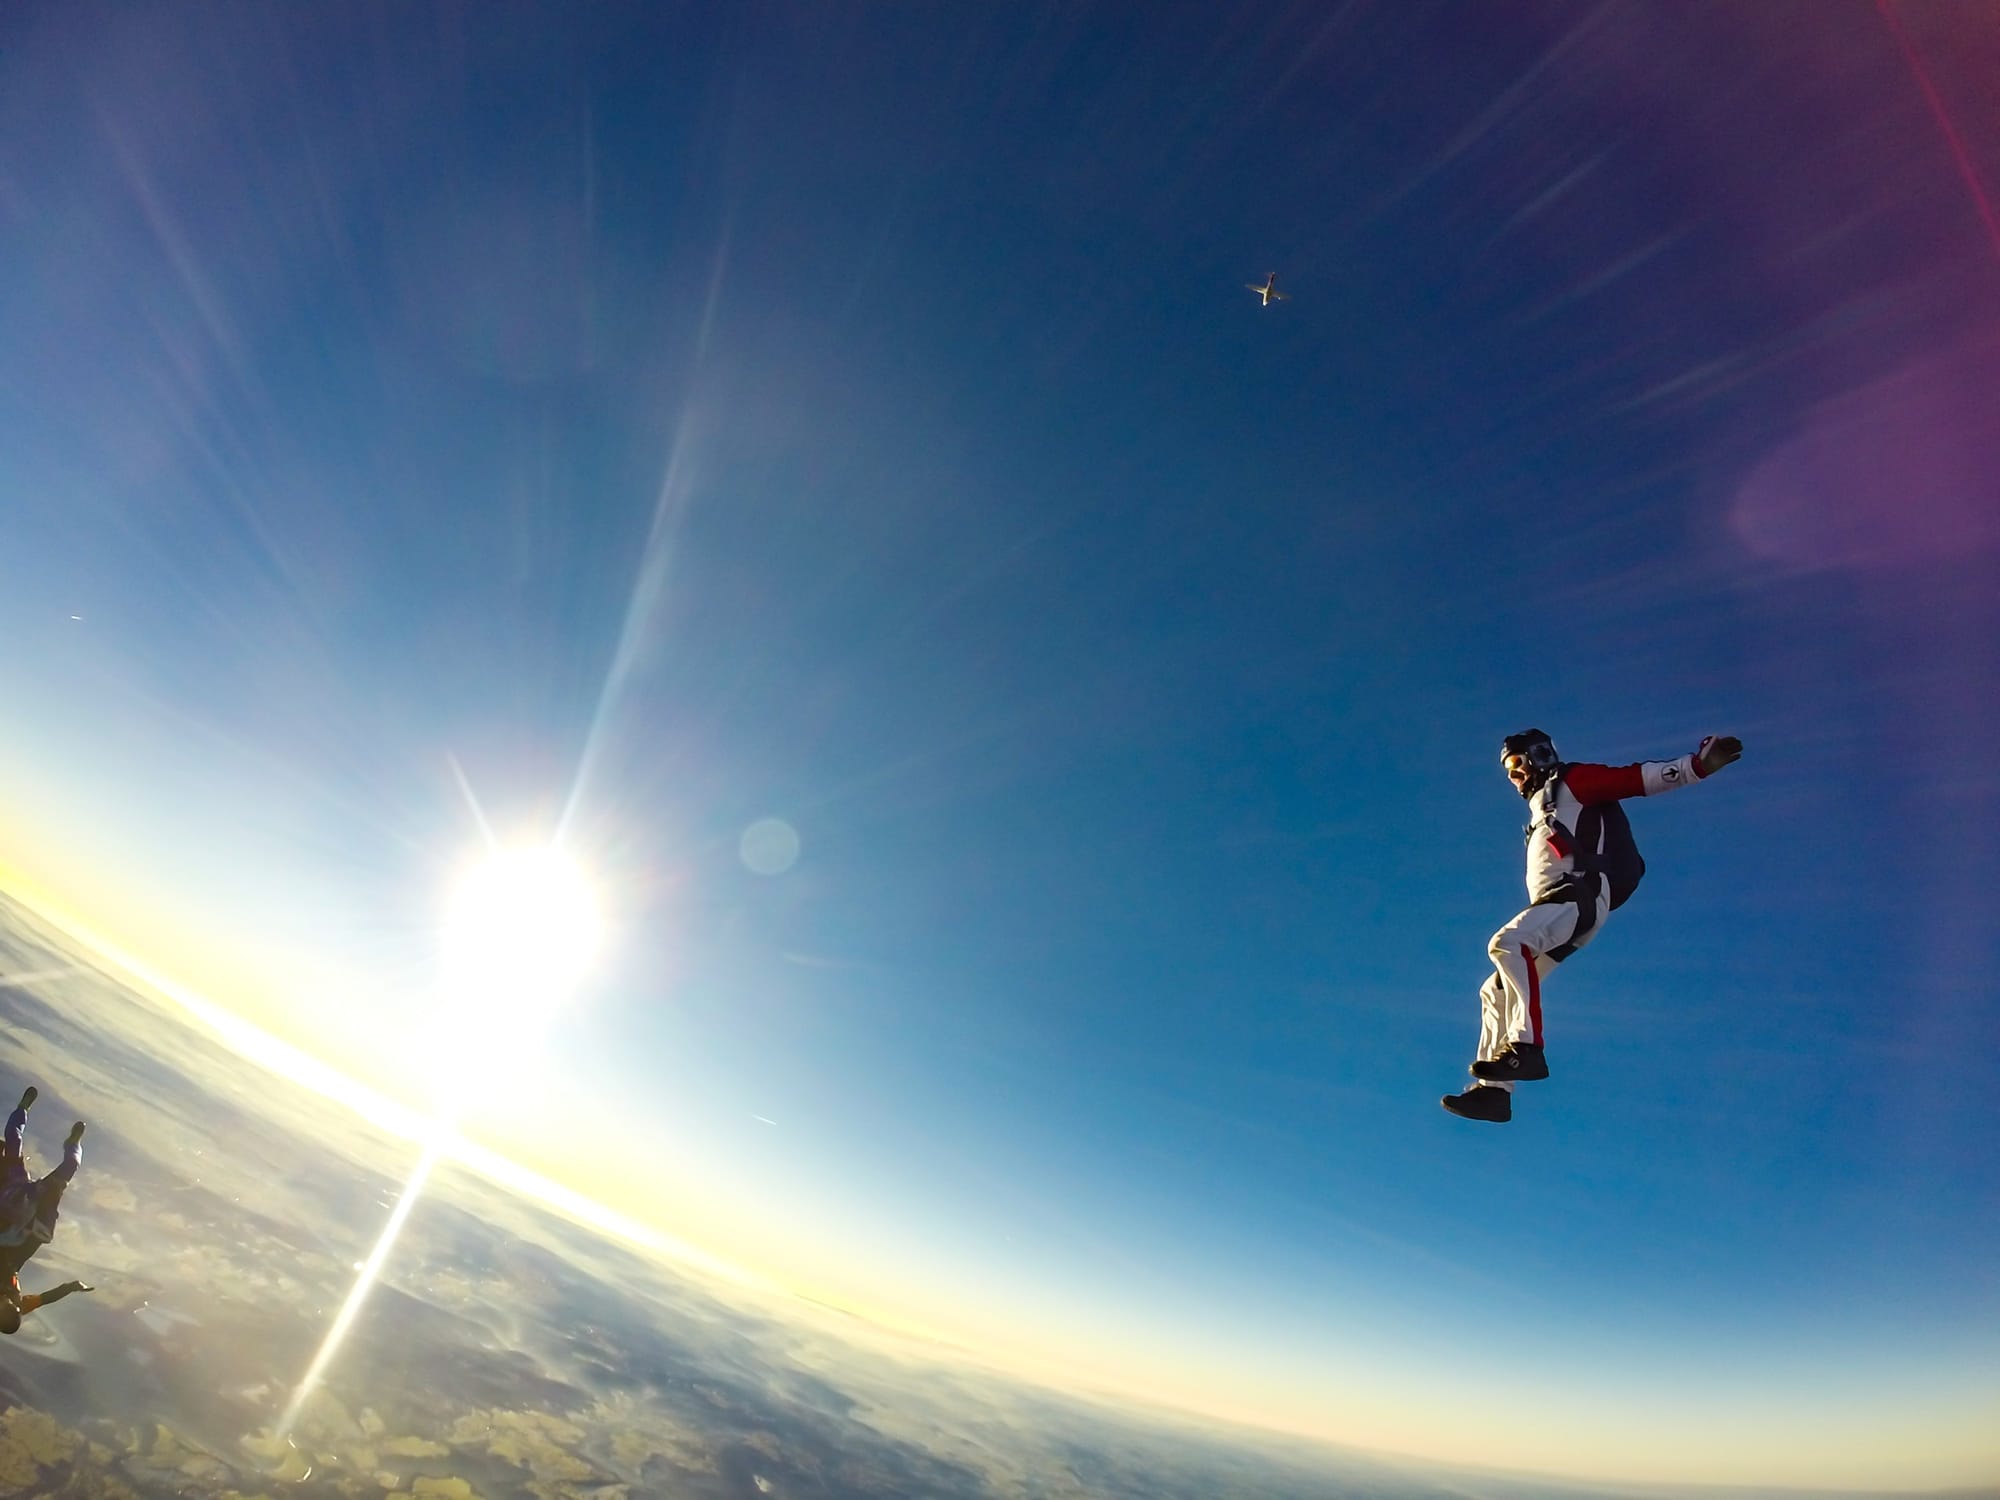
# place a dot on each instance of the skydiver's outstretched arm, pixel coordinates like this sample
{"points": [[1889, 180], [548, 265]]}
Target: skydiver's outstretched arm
{"points": [[54, 1294], [1649, 778]]}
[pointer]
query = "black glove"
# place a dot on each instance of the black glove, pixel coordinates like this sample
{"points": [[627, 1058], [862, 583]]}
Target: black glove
{"points": [[1717, 751]]}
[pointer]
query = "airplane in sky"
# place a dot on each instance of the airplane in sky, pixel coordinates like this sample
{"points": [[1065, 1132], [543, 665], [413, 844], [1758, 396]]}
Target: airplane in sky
{"points": [[1268, 291]]}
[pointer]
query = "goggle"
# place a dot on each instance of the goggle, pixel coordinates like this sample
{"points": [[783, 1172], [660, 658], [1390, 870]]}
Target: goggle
{"points": [[1536, 757]]}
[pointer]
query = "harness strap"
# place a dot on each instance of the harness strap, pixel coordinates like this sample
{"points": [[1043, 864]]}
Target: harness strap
{"points": [[1583, 885]]}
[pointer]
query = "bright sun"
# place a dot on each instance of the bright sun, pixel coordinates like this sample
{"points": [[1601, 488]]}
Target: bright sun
{"points": [[520, 932]]}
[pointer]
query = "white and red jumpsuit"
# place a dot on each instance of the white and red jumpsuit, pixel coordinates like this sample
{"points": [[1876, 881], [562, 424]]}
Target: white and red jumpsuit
{"points": [[1527, 948]]}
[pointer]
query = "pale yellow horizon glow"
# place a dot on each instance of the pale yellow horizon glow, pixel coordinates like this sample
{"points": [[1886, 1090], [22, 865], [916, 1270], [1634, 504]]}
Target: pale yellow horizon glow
{"points": [[1348, 1404], [295, 1065]]}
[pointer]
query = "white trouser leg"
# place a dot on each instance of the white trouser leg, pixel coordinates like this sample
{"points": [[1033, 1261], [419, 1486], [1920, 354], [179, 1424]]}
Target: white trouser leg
{"points": [[1510, 1002], [1492, 1021]]}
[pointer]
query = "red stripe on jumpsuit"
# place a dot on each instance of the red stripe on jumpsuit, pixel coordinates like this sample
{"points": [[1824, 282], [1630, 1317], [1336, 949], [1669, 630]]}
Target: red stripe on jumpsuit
{"points": [[1534, 993]]}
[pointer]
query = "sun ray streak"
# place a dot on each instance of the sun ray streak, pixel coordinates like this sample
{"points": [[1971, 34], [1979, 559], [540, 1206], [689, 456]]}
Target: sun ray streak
{"points": [[649, 587], [472, 802], [364, 1282]]}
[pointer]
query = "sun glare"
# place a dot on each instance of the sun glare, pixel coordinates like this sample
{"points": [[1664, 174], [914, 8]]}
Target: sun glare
{"points": [[520, 932]]}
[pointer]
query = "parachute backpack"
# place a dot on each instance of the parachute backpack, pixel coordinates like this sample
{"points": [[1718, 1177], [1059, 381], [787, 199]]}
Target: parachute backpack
{"points": [[1604, 841]]}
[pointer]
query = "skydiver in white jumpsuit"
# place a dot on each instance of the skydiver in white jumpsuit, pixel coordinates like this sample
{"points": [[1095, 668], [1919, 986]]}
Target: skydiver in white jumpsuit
{"points": [[1582, 865]]}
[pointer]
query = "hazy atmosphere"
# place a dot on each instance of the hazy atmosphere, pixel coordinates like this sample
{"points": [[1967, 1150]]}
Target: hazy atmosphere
{"points": [[1018, 715]]}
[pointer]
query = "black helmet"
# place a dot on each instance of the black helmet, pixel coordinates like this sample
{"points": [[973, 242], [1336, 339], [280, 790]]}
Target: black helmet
{"points": [[1538, 751]]}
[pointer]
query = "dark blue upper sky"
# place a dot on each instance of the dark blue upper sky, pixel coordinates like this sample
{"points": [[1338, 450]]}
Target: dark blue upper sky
{"points": [[675, 418]]}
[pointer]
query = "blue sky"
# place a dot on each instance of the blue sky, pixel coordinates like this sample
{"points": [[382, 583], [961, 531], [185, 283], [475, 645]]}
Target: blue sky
{"points": [[669, 419]]}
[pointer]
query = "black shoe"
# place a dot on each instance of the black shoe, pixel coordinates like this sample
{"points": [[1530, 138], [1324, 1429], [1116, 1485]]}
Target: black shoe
{"points": [[1496, 1105], [1518, 1062], [27, 1098], [75, 1133]]}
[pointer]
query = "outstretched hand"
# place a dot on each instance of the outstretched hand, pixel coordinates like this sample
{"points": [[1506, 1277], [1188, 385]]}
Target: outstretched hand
{"points": [[80, 1286], [1717, 751]]}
